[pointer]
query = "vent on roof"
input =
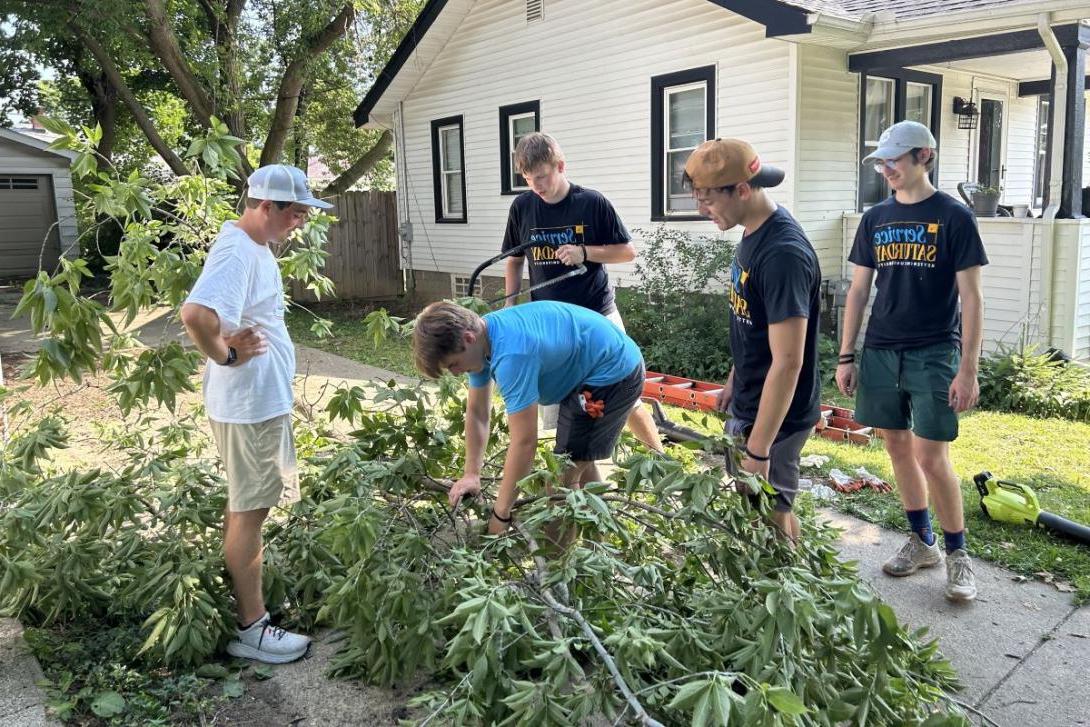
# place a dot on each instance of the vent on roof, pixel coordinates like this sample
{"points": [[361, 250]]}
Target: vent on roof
{"points": [[535, 10]]}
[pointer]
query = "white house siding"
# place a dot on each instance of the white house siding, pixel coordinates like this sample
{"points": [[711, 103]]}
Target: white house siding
{"points": [[590, 65], [828, 150], [1070, 307], [1082, 315], [16, 158]]}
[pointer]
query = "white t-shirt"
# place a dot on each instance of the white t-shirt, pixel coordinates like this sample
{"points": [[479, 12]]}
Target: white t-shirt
{"points": [[241, 282]]}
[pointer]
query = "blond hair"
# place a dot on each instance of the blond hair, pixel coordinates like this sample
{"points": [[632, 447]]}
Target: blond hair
{"points": [[536, 148], [439, 332]]}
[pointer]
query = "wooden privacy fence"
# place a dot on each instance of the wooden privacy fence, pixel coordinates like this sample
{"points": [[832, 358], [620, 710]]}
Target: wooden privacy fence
{"points": [[363, 260]]}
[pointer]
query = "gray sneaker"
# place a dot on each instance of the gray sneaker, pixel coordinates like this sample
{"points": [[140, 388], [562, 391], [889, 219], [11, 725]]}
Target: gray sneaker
{"points": [[271, 644], [912, 556], [960, 583]]}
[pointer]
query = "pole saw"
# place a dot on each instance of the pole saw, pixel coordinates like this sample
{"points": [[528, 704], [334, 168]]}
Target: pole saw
{"points": [[1017, 504], [518, 250]]}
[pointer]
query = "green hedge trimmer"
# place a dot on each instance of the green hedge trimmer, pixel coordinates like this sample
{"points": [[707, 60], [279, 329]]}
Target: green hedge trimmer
{"points": [[1017, 504]]}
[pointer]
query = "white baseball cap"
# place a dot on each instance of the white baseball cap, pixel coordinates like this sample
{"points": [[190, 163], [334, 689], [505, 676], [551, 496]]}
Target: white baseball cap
{"points": [[901, 138], [283, 183]]}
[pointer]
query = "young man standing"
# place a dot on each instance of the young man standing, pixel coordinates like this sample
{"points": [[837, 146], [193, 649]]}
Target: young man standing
{"points": [[541, 352], [772, 392], [918, 367], [569, 226], [235, 316]]}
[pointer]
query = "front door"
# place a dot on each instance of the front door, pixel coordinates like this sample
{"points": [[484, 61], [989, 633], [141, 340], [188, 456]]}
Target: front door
{"points": [[989, 167]]}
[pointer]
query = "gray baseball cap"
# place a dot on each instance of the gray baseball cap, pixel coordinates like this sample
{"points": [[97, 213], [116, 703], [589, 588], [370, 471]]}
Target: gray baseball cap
{"points": [[283, 183], [901, 138]]}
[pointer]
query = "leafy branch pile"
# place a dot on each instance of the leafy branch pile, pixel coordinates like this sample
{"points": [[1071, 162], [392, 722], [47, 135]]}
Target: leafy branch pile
{"points": [[677, 604]]}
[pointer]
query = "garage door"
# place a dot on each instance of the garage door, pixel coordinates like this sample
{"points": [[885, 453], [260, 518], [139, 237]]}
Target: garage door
{"points": [[26, 213]]}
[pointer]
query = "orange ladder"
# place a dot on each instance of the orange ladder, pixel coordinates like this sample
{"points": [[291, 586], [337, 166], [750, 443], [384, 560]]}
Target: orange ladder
{"points": [[836, 423]]}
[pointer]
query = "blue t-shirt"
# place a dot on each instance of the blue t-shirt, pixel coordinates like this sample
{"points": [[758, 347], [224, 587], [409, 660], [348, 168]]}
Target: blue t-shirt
{"points": [[543, 351]]}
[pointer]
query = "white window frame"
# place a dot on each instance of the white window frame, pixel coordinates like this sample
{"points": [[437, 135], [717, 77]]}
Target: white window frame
{"points": [[444, 173], [512, 142], [666, 150], [930, 98]]}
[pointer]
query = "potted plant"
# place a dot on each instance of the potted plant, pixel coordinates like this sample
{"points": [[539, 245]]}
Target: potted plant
{"points": [[985, 201]]}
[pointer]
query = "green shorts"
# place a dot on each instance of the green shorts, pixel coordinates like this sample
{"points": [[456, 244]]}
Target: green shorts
{"points": [[909, 390]]}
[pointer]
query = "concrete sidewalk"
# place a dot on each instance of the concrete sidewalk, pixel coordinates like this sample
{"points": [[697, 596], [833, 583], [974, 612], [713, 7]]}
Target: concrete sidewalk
{"points": [[1022, 649]]}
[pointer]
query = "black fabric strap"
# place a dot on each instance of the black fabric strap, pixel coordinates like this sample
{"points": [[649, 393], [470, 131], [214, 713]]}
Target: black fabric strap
{"points": [[502, 519], [755, 457]]}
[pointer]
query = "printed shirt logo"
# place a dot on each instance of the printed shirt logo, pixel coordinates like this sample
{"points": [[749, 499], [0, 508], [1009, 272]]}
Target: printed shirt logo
{"points": [[547, 239], [906, 244], [739, 304]]}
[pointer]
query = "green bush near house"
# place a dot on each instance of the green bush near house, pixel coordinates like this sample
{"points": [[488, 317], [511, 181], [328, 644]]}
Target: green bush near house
{"points": [[1035, 382], [680, 324]]}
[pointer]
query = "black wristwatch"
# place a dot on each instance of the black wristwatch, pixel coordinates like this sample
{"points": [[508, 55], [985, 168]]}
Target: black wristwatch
{"points": [[232, 356]]}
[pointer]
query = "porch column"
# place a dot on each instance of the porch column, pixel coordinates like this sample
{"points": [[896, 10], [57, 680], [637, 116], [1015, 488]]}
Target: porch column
{"points": [[1074, 47]]}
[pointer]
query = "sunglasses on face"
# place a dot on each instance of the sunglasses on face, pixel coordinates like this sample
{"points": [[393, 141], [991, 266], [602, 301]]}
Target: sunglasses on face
{"points": [[891, 164]]}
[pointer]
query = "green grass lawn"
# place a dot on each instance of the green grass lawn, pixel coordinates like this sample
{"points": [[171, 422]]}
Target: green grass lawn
{"points": [[1051, 455], [349, 335]]}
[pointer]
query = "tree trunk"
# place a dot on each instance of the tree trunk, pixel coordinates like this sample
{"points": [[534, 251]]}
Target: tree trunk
{"points": [[139, 114], [164, 44], [103, 97], [295, 75], [361, 166]]}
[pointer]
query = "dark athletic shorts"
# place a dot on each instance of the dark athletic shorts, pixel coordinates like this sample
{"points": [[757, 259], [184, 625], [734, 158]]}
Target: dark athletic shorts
{"points": [[909, 389], [587, 439], [783, 467]]}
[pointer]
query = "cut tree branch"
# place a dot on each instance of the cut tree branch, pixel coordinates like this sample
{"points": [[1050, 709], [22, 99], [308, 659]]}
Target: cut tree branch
{"points": [[295, 75], [588, 631], [139, 114], [361, 166]]}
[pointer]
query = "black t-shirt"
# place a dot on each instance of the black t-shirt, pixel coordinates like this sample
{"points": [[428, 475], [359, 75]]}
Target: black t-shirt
{"points": [[917, 250], [583, 217], [775, 276]]}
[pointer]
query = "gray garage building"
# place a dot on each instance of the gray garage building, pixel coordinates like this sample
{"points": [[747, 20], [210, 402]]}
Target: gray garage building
{"points": [[37, 214]]}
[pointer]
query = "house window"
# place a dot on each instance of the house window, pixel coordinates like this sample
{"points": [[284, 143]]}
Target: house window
{"points": [[918, 102], [877, 116], [18, 183], [682, 117], [1041, 166], [516, 121], [896, 95], [448, 173]]}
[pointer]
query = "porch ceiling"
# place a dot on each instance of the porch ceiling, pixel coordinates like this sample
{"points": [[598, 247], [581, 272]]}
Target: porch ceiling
{"points": [[1025, 66]]}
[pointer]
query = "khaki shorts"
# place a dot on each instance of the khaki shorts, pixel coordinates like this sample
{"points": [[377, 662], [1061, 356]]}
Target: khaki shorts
{"points": [[260, 463]]}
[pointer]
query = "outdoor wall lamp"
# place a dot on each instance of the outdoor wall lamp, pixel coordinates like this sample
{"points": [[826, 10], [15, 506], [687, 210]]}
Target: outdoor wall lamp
{"points": [[967, 113]]}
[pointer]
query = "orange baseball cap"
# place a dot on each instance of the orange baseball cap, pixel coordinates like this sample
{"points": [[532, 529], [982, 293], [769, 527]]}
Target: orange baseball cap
{"points": [[726, 162]]}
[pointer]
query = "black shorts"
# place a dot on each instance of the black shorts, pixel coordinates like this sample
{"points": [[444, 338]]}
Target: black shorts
{"points": [[587, 438]]}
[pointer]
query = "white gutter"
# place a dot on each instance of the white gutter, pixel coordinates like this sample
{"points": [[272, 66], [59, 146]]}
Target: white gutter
{"points": [[1058, 111], [401, 173]]}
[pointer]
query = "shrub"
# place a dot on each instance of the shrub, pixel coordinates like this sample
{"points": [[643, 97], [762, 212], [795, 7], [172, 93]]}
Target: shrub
{"points": [[682, 327], [1038, 383]]}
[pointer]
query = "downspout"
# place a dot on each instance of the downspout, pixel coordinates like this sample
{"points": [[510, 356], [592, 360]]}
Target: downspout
{"points": [[1058, 110], [404, 223]]}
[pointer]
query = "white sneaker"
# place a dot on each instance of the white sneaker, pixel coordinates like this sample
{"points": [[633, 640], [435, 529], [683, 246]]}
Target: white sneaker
{"points": [[912, 556], [960, 582], [271, 644]]}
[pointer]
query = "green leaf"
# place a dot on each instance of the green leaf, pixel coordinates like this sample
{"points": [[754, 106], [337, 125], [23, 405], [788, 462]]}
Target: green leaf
{"points": [[108, 704], [264, 671], [233, 688], [212, 670], [786, 701]]}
